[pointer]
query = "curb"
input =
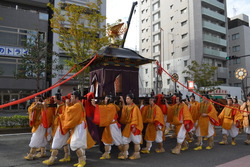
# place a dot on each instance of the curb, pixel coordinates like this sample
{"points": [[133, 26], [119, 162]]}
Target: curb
{"points": [[14, 130]]}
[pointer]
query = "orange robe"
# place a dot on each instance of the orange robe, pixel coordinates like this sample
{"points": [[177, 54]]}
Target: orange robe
{"points": [[194, 110], [229, 116], [154, 117], [48, 114], [131, 116], [74, 115], [59, 118], [179, 114], [35, 117], [207, 108], [105, 115]]}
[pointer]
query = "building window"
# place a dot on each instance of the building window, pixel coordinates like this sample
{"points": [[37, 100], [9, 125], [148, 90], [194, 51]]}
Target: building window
{"points": [[184, 35], [156, 48], [156, 6], [168, 66], [142, 11], [156, 16], [171, 18], [168, 81], [235, 36], [172, 41], [183, 10], [183, 49], [156, 37], [143, 50], [172, 29], [143, 30], [142, 20], [185, 63], [143, 40], [172, 53], [236, 48], [184, 23], [156, 27], [146, 71], [146, 84], [230, 74], [236, 61], [171, 6]]}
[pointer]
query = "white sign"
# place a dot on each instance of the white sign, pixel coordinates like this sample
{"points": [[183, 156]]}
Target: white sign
{"points": [[12, 51]]}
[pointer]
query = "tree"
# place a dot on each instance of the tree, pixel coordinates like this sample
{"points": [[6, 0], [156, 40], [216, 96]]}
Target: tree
{"points": [[80, 30], [34, 63], [203, 76]]}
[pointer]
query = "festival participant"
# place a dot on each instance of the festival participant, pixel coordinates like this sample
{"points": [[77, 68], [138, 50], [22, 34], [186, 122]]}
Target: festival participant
{"points": [[152, 115], [38, 139], [106, 116], [160, 101], [235, 102], [180, 117], [75, 120], [230, 119], [193, 108], [207, 118], [59, 137], [48, 116], [246, 107], [132, 119]]}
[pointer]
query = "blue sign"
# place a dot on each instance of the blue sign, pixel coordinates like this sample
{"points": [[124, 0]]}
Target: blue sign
{"points": [[12, 51]]}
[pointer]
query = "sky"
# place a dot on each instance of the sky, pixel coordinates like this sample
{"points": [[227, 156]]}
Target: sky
{"points": [[120, 9]]}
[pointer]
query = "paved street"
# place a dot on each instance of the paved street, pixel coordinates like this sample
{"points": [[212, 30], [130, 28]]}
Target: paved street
{"points": [[14, 147]]}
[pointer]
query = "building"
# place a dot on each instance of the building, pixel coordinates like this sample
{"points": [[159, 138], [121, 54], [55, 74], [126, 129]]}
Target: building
{"points": [[176, 32], [67, 87], [18, 20], [239, 39]]}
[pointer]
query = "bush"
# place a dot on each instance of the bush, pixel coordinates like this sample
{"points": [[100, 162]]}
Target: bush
{"points": [[14, 121]]}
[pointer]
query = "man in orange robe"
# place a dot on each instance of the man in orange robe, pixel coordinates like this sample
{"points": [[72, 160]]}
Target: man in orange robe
{"points": [[106, 116], [75, 121], [160, 101], [246, 107], [38, 131], [193, 108], [180, 116], [207, 119], [132, 119], [59, 138], [230, 121], [152, 115]]}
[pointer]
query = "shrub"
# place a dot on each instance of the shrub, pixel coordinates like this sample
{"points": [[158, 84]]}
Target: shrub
{"points": [[14, 121]]}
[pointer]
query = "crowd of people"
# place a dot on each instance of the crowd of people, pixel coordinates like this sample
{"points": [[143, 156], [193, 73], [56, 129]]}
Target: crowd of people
{"points": [[72, 123]]}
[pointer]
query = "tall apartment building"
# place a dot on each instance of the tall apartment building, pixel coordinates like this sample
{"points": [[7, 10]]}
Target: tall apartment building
{"points": [[175, 32], [239, 39], [18, 20], [67, 87]]}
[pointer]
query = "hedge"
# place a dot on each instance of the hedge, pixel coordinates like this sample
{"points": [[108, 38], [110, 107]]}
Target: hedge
{"points": [[14, 121]]}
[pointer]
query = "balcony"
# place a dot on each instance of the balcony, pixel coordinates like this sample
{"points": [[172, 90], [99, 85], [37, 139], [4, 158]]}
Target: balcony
{"points": [[213, 14], [213, 52], [222, 72], [214, 40], [213, 27], [215, 3]]}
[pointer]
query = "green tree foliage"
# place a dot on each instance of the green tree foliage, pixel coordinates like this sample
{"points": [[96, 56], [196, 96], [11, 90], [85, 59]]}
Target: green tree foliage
{"points": [[81, 30], [34, 63], [203, 76]]}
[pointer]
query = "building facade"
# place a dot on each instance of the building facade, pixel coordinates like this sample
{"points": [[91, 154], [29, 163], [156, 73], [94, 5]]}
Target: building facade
{"points": [[18, 20], [176, 32], [239, 39]]}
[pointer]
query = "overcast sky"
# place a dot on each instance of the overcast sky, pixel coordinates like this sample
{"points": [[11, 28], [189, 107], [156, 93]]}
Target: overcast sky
{"points": [[120, 9]]}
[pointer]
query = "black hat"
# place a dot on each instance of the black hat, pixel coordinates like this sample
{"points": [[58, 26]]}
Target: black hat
{"points": [[192, 95], [58, 95], [131, 95], [76, 93]]}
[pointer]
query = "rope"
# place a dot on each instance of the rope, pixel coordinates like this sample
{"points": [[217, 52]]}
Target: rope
{"points": [[157, 63], [48, 89]]}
